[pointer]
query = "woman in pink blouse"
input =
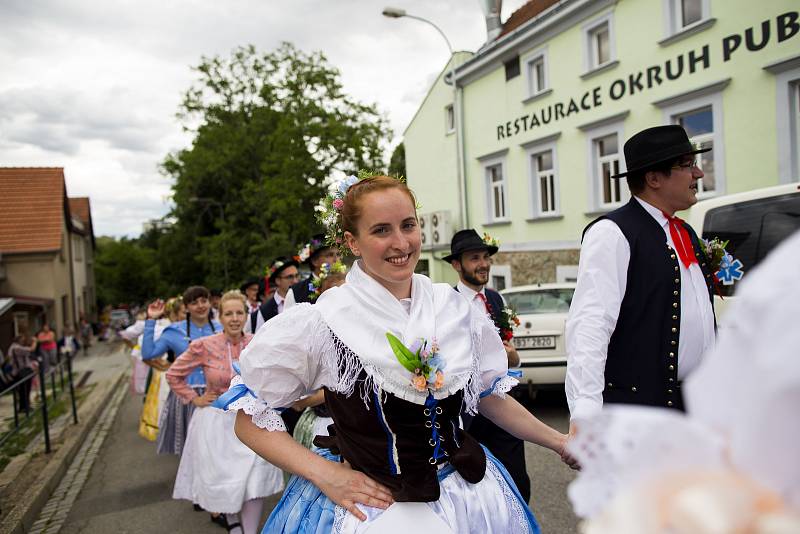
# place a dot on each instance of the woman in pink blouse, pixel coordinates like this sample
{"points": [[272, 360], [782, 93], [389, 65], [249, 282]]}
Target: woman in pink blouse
{"points": [[216, 470]]}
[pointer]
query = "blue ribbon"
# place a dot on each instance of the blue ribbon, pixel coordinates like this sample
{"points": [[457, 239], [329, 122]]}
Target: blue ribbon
{"points": [[514, 373], [232, 395]]}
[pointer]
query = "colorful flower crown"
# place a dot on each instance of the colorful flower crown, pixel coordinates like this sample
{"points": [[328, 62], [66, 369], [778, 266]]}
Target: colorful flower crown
{"points": [[274, 267], [308, 249], [315, 286], [329, 214]]}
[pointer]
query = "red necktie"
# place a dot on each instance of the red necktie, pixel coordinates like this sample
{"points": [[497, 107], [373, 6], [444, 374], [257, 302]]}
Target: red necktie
{"points": [[485, 303], [681, 239]]}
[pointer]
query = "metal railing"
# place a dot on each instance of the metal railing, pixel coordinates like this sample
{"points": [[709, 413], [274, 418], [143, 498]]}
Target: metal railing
{"points": [[24, 409]]}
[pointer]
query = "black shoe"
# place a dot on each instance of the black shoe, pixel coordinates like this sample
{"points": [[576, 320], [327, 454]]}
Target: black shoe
{"points": [[233, 526], [220, 520], [197, 508]]}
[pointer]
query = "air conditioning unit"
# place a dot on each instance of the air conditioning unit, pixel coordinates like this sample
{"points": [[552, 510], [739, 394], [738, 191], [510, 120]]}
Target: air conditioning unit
{"points": [[441, 229], [425, 230]]}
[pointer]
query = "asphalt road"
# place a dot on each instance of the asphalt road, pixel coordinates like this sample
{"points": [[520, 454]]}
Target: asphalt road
{"points": [[129, 487]]}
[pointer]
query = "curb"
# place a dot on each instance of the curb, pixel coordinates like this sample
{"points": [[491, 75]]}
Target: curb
{"points": [[30, 502]]}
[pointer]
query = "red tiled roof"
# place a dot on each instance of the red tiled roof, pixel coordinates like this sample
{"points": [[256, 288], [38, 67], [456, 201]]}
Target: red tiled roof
{"points": [[79, 207], [524, 14], [31, 209]]}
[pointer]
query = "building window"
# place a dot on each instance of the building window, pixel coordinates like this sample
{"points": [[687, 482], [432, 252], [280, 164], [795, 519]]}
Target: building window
{"points": [[599, 51], [699, 125], [449, 119], [500, 277], [544, 182], [606, 156], [685, 13], [537, 74], [794, 89], [77, 248], [512, 68], [496, 185]]}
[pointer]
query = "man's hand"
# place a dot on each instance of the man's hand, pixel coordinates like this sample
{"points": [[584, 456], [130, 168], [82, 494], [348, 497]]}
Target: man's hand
{"points": [[511, 354]]}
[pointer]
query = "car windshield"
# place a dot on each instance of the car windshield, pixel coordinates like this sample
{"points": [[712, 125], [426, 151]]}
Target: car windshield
{"points": [[540, 300]]}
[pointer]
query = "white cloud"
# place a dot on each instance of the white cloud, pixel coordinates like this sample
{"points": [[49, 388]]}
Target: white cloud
{"points": [[93, 86]]}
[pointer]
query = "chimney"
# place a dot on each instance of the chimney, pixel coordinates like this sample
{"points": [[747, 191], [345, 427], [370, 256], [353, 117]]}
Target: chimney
{"points": [[491, 12]]}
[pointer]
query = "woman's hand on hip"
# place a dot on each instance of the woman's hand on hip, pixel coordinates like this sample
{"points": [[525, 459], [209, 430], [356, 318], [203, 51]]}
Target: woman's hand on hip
{"points": [[347, 487], [204, 400]]}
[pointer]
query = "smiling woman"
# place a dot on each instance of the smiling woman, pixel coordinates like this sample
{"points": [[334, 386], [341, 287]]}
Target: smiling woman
{"points": [[399, 358]]}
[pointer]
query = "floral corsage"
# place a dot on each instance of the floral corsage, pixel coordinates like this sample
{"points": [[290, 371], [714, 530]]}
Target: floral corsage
{"points": [[490, 241], [315, 286], [422, 360], [725, 267], [506, 322]]}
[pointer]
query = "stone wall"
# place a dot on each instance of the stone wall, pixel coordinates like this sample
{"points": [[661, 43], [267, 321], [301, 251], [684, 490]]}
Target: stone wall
{"points": [[536, 267]]}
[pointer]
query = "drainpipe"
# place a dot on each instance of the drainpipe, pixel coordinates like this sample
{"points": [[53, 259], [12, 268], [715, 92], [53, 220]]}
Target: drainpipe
{"points": [[461, 163]]}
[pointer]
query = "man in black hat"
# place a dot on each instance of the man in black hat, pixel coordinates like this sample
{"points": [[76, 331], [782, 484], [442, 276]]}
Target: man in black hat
{"points": [[642, 314], [281, 275], [471, 257], [314, 255], [251, 290]]}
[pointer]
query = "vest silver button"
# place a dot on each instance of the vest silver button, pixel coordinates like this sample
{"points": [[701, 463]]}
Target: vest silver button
{"points": [[669, 403], [633, 389]]}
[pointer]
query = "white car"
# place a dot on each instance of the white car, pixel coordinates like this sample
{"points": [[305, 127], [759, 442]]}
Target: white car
{"points": [[542, 310]]}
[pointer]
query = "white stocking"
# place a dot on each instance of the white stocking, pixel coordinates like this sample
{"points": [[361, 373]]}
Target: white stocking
{"points": [[232, 519], [251, 515]]}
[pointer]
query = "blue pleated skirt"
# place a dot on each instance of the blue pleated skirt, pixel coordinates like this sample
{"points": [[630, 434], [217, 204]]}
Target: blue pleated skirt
{"points": [[494, 505]]}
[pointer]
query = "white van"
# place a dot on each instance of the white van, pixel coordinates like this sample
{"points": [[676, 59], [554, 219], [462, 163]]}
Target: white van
{"points": [[753, 223]]}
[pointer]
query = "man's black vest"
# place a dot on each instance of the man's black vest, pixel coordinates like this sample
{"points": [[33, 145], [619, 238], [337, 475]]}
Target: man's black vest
{"points": [[642, 361], [303, 289], [268, 310]]}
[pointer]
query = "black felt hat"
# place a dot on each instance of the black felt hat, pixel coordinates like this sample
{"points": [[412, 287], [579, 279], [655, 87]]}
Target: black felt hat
{"points": [[656, 145], [466, 240], [251, 282], [317, 244], [280, 264]]}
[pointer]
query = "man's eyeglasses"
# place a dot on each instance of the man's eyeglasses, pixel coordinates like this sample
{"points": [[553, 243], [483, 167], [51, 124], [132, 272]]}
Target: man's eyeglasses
{"points": [[295, 276], [687, 165]]}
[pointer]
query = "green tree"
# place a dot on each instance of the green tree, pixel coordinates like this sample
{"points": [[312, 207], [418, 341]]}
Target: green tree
{"points": [[397, 163], [125, 272], [269, 130]]}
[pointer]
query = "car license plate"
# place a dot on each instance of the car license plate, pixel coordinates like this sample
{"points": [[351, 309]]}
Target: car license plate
{"points": [[535, 342]]}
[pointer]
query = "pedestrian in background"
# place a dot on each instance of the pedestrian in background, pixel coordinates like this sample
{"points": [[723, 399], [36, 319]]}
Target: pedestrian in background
{"points": [[86, 335], [251, 290], [68, 345], [23, 365], [283, 273], [48, 348]]}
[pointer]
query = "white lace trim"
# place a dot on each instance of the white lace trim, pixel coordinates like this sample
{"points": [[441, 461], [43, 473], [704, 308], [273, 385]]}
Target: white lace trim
{"points": [[515, 509], [261, 414], [339, 516], [504, 385], [346, 366]]}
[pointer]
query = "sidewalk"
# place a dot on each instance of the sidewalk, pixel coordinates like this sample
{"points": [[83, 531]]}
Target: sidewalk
{"points": [[27, 482]]}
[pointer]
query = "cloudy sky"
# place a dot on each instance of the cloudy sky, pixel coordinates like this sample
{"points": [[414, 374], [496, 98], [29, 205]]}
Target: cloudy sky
{"points": [[93, 86]]}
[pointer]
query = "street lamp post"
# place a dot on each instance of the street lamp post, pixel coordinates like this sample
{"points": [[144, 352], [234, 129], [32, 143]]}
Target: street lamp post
{"points": [[396, 13], [212, 202]]}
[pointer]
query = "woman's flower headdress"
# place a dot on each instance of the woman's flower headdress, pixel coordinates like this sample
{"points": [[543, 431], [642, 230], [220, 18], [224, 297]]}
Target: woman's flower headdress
{"points": [[332, 205]]}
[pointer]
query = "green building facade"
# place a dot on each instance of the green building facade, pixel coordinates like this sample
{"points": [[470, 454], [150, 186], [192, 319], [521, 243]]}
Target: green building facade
{"points": [[524, 147]]}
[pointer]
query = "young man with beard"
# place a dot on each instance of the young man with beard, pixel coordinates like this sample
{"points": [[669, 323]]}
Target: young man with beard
{"points": [[471, 257], [282, 274], [642, 314]]}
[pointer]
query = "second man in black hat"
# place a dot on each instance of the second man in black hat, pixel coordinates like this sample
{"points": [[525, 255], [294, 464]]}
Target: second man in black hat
{"points": [[471, 256]]}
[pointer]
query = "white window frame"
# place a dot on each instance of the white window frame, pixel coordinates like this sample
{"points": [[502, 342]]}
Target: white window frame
{"points": [[596, 204], [589, 63], [490, 188], [449, 125], [539, 55], [679, 106], [787, 83], [673, 16], [534, 175], [500, 271]]}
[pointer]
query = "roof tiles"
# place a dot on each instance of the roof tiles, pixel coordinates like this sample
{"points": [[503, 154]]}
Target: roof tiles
{"points": [[31, 209], [524, 14]]}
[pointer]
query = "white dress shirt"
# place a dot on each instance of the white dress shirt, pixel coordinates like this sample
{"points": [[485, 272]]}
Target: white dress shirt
{"points": [[472, 296], [593, 314]]}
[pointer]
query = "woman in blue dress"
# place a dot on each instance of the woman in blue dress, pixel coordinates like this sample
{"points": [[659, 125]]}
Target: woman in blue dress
{"points": [[175, 339], [398, 357]]}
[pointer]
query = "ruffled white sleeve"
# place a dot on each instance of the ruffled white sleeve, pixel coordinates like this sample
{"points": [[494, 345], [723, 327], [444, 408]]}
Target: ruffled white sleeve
{"points": [[282, 363], [495, 378]]}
